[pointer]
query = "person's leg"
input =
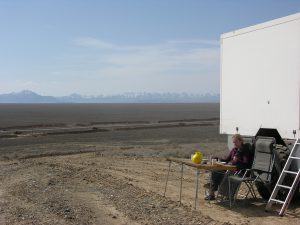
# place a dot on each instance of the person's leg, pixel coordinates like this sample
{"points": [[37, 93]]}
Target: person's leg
{"points": [[216, 178]]}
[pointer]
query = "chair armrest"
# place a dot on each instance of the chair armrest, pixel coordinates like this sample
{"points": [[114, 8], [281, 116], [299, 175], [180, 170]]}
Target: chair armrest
{"points": [[246, 172], [239, 173]]}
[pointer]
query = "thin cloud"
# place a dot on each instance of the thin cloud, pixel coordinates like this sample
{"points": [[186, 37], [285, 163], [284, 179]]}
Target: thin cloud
{"points": [[94, 43], [196, 41], [163, 57], [190, 66]]}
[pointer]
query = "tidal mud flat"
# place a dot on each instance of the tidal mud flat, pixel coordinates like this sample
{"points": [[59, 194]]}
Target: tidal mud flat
{"points": [[58, 166]]}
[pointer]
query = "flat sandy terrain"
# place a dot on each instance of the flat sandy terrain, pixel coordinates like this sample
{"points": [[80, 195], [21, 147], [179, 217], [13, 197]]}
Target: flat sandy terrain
{"points": [[113, 171]]}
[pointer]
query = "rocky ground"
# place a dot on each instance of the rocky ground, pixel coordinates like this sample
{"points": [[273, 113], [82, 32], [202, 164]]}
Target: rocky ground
{"points": [[108, 188], [106, 164]]}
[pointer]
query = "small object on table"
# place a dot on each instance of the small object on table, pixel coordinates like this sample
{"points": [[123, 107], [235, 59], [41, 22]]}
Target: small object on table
{"points": [[213, 161], [197, 157], [204, 161]]}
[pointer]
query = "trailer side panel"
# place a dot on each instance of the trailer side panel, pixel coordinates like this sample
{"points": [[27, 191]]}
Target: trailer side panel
{"points": [[260, 78]]}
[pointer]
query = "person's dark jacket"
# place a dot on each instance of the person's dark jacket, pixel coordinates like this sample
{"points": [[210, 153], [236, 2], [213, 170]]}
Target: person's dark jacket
{"points": [[244, 158]]}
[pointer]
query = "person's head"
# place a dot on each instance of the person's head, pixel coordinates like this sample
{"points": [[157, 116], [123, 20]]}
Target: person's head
{"points": [[237, 140]]}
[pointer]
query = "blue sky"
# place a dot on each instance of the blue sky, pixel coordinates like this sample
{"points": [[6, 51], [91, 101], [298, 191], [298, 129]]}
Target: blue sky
{"points": [[59, 47]]}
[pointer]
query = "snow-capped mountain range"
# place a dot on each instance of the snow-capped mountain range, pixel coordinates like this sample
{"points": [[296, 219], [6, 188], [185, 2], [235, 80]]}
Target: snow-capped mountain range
{"points": [[27, 96]]}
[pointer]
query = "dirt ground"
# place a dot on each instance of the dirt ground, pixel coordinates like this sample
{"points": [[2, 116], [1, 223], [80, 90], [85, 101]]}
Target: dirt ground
{"points": [[109, 166], [106, 187]]}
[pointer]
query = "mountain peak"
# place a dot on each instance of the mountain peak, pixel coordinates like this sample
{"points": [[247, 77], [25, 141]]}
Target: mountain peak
{"points": [[27, 96], [27, 92]]}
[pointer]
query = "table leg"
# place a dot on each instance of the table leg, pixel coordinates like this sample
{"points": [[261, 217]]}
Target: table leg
{"points": [[197, 185], [167, 179], [229, 190], [181, 183]]}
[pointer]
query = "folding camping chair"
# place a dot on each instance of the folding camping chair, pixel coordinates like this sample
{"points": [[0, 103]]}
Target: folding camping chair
{"points": [[227, 190], [260, 171]]}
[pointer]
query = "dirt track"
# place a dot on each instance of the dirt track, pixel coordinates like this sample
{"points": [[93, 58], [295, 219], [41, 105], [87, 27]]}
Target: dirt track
{"points": [[94, 188], [114, 177], [84, 189]]}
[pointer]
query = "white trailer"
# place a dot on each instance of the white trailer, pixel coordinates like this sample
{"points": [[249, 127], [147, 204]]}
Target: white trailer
{"points": [[260, 90], [260, 78]]}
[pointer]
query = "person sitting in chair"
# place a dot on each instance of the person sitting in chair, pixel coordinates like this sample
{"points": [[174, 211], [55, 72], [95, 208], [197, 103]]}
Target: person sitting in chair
{"points": [[240, 156]]}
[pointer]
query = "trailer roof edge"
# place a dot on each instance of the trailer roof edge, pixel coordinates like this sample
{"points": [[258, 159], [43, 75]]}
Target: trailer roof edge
{"points": [[260, 26]]}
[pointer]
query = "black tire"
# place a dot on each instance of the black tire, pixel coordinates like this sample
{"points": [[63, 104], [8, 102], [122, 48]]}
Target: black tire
{"points": [[281, 154], [262, 190]]}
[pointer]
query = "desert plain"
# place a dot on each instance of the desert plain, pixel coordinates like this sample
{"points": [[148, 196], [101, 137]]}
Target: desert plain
{"points": [[106, 164]]}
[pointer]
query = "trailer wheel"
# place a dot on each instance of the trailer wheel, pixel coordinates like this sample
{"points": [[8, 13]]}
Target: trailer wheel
{"points": [[262, 190], [281, 155]]}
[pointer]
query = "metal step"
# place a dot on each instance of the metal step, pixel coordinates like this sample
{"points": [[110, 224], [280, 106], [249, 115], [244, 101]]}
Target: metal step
{"points": [[294, 157], [291, 172], [283, 186], [276, 200], [279, 185]]}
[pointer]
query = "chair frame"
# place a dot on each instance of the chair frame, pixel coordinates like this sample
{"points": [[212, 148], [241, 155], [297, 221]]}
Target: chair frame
{"points": [[249, 178]]}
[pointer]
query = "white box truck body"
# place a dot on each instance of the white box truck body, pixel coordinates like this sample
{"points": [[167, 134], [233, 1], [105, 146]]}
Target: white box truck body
{"points": [[260, 90], [260, 78]]}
